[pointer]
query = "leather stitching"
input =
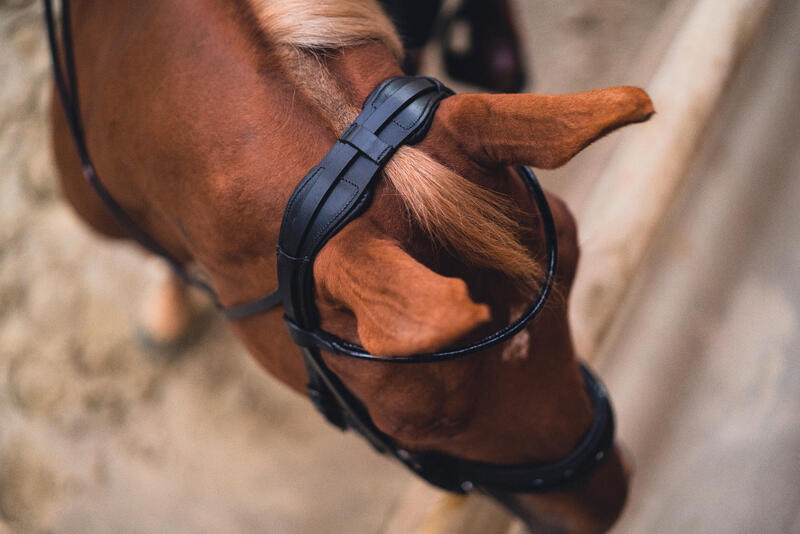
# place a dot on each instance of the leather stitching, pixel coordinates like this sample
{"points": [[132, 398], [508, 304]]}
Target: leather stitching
{"points": [[346, 206], [299, 192]]}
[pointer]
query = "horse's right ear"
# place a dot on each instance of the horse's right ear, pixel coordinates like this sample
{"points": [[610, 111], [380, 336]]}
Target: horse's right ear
{"points": [[543, 131]]}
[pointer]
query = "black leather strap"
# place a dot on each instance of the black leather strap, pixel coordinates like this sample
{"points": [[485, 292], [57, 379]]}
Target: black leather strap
{"points": [[590, 451], [343, 409], [339, 188], [367, 143]]}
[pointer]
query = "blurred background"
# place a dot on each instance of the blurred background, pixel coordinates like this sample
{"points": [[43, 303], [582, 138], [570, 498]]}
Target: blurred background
{"points": [[98, 434]]}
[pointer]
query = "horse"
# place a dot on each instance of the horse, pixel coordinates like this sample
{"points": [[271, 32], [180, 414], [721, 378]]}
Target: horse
{"points": [[201, 116]]}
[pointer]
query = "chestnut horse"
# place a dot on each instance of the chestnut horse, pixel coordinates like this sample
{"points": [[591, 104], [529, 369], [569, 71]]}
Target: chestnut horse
{"points": [[202, 116]]}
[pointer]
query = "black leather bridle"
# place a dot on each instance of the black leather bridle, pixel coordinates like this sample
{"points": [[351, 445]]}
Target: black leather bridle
{"points": [[336, 191]]}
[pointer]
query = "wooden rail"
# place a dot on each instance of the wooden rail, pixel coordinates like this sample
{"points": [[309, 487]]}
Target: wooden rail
{"points": [[637, 188], [630, 199]]}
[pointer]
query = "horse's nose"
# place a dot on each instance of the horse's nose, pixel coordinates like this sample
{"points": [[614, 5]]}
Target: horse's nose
{"points": [[602, 500], [613, 490]]}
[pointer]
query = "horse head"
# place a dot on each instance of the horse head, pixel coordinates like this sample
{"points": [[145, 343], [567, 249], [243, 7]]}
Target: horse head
{"points": [[451, 250], [233, 108]]}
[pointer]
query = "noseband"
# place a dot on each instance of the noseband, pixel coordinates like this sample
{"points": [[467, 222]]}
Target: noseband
{"points": [[336, 191]]}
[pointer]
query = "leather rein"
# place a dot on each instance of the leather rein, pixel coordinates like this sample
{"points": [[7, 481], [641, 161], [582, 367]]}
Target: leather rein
{"points": [[334, 192]]}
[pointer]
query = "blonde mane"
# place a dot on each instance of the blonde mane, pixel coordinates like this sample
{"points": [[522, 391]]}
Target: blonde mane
{"points": [[326, 24], [476, 223]]}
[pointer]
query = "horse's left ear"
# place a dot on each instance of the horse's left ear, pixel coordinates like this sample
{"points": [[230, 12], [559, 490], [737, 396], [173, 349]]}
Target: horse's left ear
{"points": [[544, 131], [401, 307]]}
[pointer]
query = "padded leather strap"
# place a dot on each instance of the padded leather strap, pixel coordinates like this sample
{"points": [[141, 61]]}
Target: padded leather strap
{"points": [[339, 188], [367, 143]]}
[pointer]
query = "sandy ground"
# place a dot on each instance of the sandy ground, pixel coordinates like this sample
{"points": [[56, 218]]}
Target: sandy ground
{"points": [[99, 435]]}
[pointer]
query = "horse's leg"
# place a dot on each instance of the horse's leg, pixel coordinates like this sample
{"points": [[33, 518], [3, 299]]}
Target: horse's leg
{"points": [[414, 20], [493, 57], [167, 313]]}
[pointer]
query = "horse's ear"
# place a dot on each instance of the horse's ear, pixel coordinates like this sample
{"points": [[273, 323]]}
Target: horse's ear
{"points": [[401, 307], [544, 131]]}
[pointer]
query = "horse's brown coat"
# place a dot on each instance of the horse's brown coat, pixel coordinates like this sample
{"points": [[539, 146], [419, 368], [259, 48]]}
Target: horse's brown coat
{"points": [[200, 128]]}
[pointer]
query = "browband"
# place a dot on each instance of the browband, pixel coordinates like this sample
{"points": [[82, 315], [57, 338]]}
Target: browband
{"points": [[399, 111]]}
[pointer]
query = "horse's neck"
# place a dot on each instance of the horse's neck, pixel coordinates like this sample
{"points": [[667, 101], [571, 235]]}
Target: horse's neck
{"points": [[198, 126], [322, 95]]}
